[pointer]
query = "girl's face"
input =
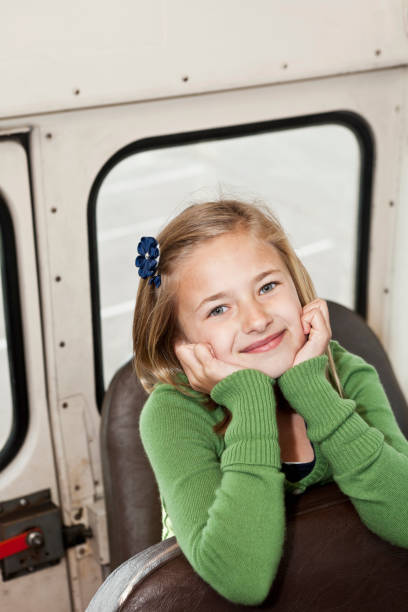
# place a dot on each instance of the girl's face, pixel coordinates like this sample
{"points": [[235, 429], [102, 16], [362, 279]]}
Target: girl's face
{"points": [[235, 293]]}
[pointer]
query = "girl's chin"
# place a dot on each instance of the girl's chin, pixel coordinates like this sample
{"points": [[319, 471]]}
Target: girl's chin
{"points": [[271, 373], [259, 364]]}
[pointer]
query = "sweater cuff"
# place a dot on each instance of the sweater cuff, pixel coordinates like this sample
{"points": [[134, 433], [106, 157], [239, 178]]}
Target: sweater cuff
{"points": [[243, 386], [308, 391], [353, 444], [252, 435]]}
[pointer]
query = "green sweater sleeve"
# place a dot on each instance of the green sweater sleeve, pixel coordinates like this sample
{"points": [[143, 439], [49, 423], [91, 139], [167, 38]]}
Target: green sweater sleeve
{"points": [[358, 435], [227, 511]]}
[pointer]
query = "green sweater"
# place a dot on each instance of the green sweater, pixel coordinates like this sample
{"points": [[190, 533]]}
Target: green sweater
{"points": [[226, 496]]}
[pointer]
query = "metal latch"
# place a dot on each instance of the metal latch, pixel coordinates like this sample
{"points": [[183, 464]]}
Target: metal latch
{"points": [[32, 536]]}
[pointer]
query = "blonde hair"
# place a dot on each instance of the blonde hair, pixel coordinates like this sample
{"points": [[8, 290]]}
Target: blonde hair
{"points": [[154, 321]]}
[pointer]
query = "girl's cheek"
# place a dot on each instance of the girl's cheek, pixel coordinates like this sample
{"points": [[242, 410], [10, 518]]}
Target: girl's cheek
{"points": [[223, 347]]}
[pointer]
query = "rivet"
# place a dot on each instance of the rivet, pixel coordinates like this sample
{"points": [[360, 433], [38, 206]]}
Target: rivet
{"points": [[185, 78], [23, 501], [48, 135], [62, 343], [65, 404], [57, 279], [77, 92], [53, 209]]}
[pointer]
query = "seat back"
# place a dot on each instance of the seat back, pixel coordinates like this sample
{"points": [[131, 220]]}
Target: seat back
{"points": [[132, 496], [330, 561], [131, 493]]}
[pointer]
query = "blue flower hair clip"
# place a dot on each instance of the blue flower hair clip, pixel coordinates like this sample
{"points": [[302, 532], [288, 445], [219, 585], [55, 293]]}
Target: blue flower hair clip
{"points": [[146, 261]]}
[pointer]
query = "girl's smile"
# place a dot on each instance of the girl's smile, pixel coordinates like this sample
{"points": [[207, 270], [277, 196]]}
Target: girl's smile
{"points": [[267, 344], [235, 293]]}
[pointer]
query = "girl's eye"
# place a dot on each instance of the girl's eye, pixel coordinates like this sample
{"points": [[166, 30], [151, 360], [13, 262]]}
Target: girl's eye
{"points": [[268, 287], [217, 311]]}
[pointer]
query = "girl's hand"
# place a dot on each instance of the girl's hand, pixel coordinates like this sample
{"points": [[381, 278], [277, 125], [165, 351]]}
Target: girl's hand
{"points": [[200, 365], [316, 323]]}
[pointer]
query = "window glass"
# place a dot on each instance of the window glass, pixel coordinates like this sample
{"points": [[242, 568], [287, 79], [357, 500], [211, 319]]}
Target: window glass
{"points": [[309, 177], [6, 405]]}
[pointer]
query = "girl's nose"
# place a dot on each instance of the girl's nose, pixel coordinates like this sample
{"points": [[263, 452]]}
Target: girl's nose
{"points": [[254, 318]]}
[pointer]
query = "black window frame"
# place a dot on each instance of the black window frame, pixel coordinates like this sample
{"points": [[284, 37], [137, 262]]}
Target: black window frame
{"points": [[349, 119], [14, 337]]}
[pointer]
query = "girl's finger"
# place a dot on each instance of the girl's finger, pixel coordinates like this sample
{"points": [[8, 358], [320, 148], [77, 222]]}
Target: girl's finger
{"points": [[318, 303], [186, 356], [316, 327], [203, 353], [325, 310], [178, 346], [314, 319], [322, 305], [190, 365], [179, 349]]}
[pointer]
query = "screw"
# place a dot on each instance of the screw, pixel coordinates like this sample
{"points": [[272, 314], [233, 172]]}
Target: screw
{"points": [[35, 539], [386, 290], [48, 135], [23, 502], [284, 66], [53, 209], [65, 404], [77, 92], [57, 279], [391, 203], [62, 343], [185, 79], [378, 51]]}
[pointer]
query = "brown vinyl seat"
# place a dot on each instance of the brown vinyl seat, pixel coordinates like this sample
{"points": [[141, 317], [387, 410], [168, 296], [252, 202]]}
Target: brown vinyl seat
{"points": [[331, 560]]}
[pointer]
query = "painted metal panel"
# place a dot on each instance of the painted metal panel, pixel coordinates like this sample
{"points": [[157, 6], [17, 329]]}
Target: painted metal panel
{"points": [[33, 468], [64, 56]]}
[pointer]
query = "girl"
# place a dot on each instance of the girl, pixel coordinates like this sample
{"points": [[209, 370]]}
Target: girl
{"points": [[250, 399]]}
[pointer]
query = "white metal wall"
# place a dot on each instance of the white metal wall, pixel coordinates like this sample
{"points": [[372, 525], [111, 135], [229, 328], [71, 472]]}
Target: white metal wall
{"points": [[57, 56]]}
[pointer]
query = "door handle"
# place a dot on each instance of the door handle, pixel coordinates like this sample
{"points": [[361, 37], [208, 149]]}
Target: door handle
{"points": [[32, 538]]}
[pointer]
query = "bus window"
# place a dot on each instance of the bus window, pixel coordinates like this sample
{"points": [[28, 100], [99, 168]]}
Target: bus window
{"points": [[309, 176], [13, 386], [6, 404]]}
